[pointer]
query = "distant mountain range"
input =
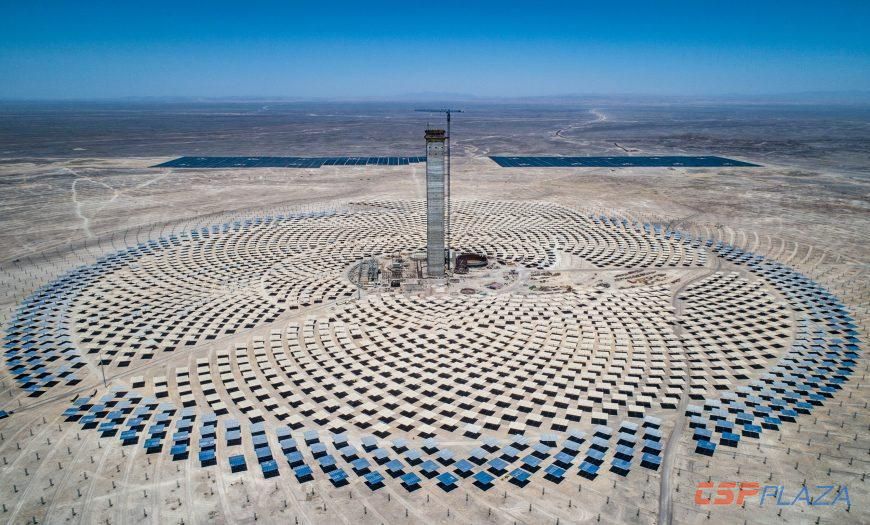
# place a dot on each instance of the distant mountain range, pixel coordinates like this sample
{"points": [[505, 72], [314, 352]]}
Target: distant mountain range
{"points": [[435, 97]]}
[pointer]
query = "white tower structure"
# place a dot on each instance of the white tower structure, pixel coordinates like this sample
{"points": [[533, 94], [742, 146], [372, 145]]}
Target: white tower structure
{"points": [[436, 176]]}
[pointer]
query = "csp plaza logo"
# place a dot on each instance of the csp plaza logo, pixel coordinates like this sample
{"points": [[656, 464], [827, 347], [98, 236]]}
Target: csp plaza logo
{"points": [[743, 492]]}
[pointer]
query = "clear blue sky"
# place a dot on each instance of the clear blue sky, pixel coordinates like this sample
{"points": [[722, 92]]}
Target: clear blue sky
{"points": [[96, 49]]}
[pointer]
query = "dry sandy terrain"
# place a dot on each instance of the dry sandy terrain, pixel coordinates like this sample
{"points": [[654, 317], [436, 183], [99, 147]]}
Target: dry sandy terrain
{"points": [[59, 213]]}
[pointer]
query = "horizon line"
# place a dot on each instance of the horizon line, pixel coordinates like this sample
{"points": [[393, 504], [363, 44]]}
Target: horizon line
{"points": [[840, 96]]}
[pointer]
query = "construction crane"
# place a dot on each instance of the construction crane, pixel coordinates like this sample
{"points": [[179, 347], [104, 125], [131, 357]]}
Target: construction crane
{"points": [[448, 112]]}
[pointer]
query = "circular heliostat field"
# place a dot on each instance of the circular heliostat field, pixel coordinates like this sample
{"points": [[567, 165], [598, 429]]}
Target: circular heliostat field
{"points": [[569, 354]]}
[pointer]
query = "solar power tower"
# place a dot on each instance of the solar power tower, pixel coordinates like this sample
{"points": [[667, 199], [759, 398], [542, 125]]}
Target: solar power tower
{"points": [[448, 112], [436, 179]]}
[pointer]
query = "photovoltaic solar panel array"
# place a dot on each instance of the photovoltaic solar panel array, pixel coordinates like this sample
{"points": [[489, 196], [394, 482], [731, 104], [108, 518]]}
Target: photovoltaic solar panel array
{"points": [[504, 162], [618, 162], [286, 162]]}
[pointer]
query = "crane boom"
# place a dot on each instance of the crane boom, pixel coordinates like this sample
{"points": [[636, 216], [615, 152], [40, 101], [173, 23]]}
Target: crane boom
{"points": [[440, 110]]}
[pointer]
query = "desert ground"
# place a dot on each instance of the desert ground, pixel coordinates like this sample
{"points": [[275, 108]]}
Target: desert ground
{"points": [[310, 352]]}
